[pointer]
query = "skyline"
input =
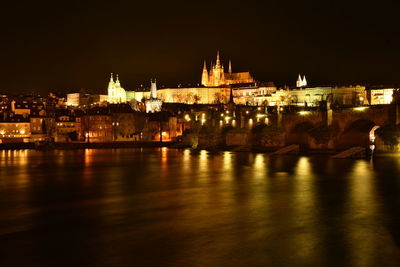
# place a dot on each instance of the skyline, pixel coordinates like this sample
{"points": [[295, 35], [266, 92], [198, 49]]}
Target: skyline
{"points": [[48, 47]]}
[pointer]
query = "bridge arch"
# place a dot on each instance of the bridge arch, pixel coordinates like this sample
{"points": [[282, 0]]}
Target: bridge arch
{"points": [[299, 133], [360, 132]]}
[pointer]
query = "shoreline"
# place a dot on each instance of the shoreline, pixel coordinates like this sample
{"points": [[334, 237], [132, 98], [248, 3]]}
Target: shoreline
{"points": [[173, 145], [68, 146]]}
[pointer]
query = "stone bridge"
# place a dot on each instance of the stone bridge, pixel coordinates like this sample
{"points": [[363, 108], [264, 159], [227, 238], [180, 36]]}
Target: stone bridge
{"points": [[340, 128]]}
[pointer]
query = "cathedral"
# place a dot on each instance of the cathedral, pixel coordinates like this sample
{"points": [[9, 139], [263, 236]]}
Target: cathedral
{"points": [[116, 94], [218, 77]]}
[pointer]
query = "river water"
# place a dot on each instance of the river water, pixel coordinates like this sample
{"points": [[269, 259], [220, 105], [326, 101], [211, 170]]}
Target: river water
{"points": [[161, 207]]}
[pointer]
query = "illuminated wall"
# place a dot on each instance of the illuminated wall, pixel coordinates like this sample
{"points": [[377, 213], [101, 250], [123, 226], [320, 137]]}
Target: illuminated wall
{"points": [[15, 130], [73, 99], [200, 95], [381, 96]]}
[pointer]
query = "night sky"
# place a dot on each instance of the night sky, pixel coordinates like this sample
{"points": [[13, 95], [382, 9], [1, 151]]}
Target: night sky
{"points": [[65, 46]]}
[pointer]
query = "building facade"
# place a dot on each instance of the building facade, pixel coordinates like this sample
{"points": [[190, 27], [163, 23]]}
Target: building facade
{"points": [[116, 94]]}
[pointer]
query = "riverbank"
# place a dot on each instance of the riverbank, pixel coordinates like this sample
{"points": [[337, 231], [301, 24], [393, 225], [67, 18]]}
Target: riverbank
{"points": [[81, 145]]}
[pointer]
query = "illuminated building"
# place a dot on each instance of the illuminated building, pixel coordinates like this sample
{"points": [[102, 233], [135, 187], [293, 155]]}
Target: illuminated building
{"points": [[41, 127], [379, 95], [218, 77], [81, 99], [153, 104], [301, 82], [97, 125], [68, 128], [254, 95], [127, 123], [73, 99], [15, 129], [116, 94], [199, 95], [163, 123]]}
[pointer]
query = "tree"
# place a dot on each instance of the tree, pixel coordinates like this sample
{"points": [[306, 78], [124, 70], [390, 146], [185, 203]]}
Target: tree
{"points": [[196, 98], [218, 98]]}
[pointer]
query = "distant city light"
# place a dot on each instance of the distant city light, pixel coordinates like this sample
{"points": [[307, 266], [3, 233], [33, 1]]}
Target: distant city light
{"points": [[360, 108], [261, 115]]}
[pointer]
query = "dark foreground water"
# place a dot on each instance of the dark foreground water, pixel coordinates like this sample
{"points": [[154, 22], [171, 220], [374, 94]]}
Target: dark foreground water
{"points": [[159, 207]]}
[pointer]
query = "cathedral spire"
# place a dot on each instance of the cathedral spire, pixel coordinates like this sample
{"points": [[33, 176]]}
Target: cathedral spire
{"points": [[204, 77], [230, 67], [111, 78], [218, 61]]}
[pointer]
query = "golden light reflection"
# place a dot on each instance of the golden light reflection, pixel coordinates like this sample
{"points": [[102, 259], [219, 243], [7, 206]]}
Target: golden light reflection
{"points": [[363, 205], [305, 208], [88, 157], [12, 157], [227, 165], [164, 161], [186, 160], [259, 167], [362, 193], [303, 168], [203, 162]]}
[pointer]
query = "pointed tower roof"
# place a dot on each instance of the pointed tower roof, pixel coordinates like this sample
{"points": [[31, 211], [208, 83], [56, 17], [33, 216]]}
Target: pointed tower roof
{"points": [[218, 61], [230, 67], [117, 83], [304, 82], [111, 78], [205, 66], [299, 81]]}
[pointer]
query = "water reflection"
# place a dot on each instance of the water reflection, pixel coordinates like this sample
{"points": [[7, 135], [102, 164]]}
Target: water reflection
{"points": [[157, 207], [363, 215]]}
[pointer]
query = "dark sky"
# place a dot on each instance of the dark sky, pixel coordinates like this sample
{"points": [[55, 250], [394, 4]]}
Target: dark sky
{"points": [[67, 45]]}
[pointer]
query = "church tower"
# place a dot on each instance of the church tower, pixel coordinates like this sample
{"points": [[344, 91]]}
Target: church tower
{"points": [[153, 104], [204, 77], [111, 87], [218, 72], [116, 94], [304, 81], [299, 81], [230, 67], [153, 89]]}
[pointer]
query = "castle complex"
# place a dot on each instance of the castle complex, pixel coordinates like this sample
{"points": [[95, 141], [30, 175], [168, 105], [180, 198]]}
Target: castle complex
{"points": [[217, 86], [217, 76]]}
